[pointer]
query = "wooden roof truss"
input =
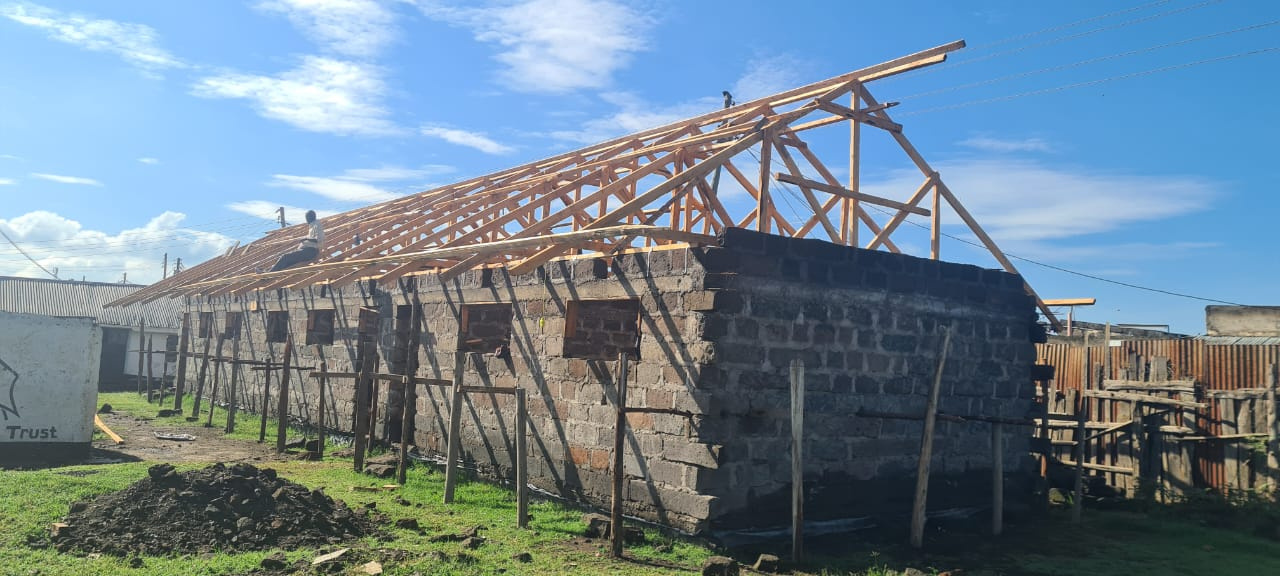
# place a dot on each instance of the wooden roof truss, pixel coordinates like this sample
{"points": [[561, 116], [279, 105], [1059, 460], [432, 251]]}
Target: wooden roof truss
{"points": [[651, 188]]}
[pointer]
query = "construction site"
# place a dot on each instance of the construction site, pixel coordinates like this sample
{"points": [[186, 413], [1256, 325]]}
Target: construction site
{"points": [[601, 332]]}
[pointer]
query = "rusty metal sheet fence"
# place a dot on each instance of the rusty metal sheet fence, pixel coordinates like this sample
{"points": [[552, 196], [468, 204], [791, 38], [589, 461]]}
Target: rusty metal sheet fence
{"points": [[1228, 443]]}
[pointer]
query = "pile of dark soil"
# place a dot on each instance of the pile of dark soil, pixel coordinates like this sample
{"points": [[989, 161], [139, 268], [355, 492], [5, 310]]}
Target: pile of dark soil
{"points": [[219, 508]]}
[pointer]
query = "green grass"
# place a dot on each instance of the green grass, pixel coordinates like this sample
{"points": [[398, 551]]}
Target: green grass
{"points": [[247, 423], [1151, 540]]}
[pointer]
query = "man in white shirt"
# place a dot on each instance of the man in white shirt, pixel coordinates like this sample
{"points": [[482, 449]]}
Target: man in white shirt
{"points": [[308, 249]]}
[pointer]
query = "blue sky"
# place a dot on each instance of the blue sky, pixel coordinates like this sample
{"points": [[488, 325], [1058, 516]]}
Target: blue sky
{"points": [[1132, 141]]}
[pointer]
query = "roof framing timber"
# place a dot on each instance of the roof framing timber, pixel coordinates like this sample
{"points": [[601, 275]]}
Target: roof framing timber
{"points": [[655, 187]]}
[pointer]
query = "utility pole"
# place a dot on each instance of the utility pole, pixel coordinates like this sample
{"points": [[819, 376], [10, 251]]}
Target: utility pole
{"points": [[177, 266], [280, 211], [164, 267]]}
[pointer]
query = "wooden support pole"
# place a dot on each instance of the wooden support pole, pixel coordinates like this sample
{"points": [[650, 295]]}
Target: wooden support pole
{"points": [[997, 478], [142, 344], [150, 341], [266, 401], [1082, 404], [233, 393], [849, 216], [164, 376], [455, 426], [282, 404], [1273, 427], [402, 459], [926, 448], [764, 205], [522, 461], [1136, 431], [616, 533], [367, 333], [217, 379], [180, 377], [204, 370], [797, 460], [323, 409], [935, 225]]}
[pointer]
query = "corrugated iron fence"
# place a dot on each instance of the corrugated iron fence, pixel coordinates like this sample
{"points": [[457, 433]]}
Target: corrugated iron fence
{"points": [[1201, 414]]}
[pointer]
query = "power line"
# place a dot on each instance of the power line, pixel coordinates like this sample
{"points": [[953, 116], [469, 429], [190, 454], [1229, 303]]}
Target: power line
{"points": [[1086, 62], [1068, 25], [33, 260], [1090, 82], [1066, 270]]}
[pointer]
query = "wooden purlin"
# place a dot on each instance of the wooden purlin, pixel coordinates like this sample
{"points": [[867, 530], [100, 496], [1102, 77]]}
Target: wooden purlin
{"points": [[477, 220]]}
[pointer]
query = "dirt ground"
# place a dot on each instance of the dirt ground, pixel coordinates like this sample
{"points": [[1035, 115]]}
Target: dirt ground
{"points": [[210, 445]]}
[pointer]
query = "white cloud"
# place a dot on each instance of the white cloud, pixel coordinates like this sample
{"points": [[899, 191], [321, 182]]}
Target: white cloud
{"points": [[59, 242], [355, 28], [991, 144], [11, 157], [354, 185], [475, 140], [396, 172], [766, 76], [266, 210], [633, 115], [333, 188], [320, 95], [7, 181], [554, 45], [66, 179], [1021, 201], [149, 160], [136, 43]]}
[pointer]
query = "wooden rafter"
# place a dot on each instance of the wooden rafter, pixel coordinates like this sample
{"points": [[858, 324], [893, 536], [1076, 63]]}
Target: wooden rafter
{"points": [[642, 189]]}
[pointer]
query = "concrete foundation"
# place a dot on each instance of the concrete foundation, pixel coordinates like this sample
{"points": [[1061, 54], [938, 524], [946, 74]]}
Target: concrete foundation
{"points": [[710, 331]]}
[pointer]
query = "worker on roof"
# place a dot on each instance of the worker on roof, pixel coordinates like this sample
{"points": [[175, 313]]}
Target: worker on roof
{"points": [[308, 249]]}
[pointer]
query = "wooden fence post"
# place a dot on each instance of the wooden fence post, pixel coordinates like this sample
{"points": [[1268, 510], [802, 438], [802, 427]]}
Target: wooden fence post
{"points": [[204, 371], [926, 448], [522, 461], [180, 377], [797, 460], [142, 344], [455, 426], [150, 342], [217, 379], [616, 532], [1273, 429], [997, 478], [367, 331], [407, 396], [266, 400], [232, 394], [282, 404], [324, 380], [1077, 502]]}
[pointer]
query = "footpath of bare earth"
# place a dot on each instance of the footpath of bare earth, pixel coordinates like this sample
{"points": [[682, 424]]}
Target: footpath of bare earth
{"points": [[408, 530]]}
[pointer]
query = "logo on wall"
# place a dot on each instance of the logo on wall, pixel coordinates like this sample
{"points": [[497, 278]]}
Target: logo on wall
{"points": [[8, 379]]}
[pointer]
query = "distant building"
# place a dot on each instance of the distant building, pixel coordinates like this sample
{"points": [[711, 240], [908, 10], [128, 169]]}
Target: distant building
{"points": [[118, 327]]}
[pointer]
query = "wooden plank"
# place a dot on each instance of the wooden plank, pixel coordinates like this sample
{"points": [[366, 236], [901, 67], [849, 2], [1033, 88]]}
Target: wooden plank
{"points": [[455, 427], [217, 377], [861, 116], [408, 391], [233, 392], [1162, 386], [1071, 301], [1080, 454], [918, 507], [180, 381], [266, 401], [367, 333], [1273, 426], [797, 460], [1143, 398], [1231, 452], [322, 409], [850, 194], [1101, 468], [115, 438], [282, 404], [616, 531], [142, 343], [522, 461]]}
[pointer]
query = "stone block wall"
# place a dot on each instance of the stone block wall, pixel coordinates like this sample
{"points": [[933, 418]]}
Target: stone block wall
{"points": [[711, 332]]}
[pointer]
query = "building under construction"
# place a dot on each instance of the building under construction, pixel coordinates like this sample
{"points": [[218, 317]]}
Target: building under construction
{"points": [[540, 277]]}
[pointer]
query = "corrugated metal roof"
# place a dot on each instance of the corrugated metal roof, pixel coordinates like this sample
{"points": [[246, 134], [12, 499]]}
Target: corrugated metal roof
{"points": [[71, 298], [1240, 340]]}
